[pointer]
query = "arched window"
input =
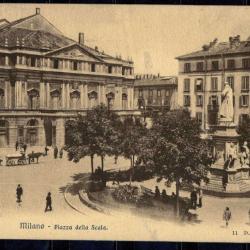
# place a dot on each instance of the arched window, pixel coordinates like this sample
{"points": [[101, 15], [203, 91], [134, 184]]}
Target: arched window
{"points": [[92, 99], [32, 132], [33, 98], [2, 100], [55, 99], [110, 99], [124, 101], [75, 99]]}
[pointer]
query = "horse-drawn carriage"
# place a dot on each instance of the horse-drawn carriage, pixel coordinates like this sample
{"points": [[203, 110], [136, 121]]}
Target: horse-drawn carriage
{"points": [[22, 159]]}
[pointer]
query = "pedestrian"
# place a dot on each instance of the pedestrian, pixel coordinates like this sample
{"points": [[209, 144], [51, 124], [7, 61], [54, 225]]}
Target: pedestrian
{"points": [[164, 195], [24, 147], [61, 153], [227, 215], [19, 193], [48, 203], [17, 144], [55, 152], [193, 197], [200, 196], [249, 214], [157, 192], [46, 149]]}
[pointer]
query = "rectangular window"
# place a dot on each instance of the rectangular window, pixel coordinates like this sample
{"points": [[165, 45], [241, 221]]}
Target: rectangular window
{"points": [[246, 63], [244, 101], [187, 85], [187, 67], [245, 83], [213, 100], [158, 92], [215, 65], [198, 117], [33, 62], [199, 85], [74, 65], [230, 80], [92, 67], [199, 66], [186, 100], [214, 83], [56, 64], [110, 69], [230, 64], [150, 93], [199, 100], [2, 60]]}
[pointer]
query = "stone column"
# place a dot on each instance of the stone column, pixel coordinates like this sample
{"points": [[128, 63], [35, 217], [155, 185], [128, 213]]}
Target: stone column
{"points": [[6, 92], [103, 93], [67, 96], [25, 95], [132, 98], [6, 60], [81, 96], [42, 94], [48, 95], [63, 95], [60, 132], [129, 98], [99, 93], [86, 95], [41, 133]]}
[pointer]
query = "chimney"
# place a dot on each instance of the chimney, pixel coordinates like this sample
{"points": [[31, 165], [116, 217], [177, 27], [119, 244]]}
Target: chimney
{"points": [[81, 38], [37, 11]]}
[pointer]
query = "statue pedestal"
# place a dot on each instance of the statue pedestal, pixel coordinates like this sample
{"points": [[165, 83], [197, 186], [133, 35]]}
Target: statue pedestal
{"points": [[227, 175]]}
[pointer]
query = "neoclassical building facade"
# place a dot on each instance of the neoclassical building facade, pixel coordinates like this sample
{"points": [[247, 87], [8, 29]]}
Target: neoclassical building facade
{"points": [[47, 78]]}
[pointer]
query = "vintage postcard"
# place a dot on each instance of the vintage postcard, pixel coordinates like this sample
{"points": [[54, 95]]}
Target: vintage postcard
{"points": [[125, 122]]}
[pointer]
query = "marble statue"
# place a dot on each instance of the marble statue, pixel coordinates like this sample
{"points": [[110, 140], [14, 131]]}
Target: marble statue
{"points": [[245, 154], [226, 109]]}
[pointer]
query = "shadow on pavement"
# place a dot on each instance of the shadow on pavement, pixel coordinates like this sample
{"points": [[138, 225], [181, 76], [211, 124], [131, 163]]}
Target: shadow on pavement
{"points": [[73, 188]]}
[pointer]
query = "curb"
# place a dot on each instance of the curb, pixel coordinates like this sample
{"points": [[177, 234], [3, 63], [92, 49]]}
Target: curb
{"points": [[83, 196], [69, 203]]}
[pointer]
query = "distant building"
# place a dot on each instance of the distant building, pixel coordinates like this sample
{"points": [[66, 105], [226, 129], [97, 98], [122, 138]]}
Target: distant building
{"points": [[47, 78], [202, 75], [155, 92]]}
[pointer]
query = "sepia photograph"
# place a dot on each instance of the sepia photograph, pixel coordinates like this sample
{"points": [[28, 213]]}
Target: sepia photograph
{"points": [[123, 122]]}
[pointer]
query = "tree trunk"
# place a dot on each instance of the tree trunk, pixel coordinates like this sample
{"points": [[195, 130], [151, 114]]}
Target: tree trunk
{"points": [[131, 169], [177, 197], [102, 158], [92, 163]]}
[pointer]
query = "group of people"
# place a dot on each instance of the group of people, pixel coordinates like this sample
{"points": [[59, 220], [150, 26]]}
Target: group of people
{"points": [[21, 146], [56, 151], [163, 195], [19, 193]]}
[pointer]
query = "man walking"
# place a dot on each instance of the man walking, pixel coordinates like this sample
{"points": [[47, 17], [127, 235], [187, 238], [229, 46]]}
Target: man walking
{"points": [[227, 215], [17, 145], [48, 203], [55, 152], [19, 193], [193, 197]]}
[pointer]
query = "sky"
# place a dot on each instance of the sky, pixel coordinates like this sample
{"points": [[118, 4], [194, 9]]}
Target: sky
{"points": [[151, 35]]}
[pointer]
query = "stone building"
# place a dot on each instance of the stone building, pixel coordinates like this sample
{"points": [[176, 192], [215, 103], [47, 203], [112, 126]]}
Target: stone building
{"points": [[47, 78], [155, 92], [202, 75]]}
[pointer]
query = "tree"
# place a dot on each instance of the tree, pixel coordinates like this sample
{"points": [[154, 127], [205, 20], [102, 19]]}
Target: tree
{"points": [[244, 130], [94, 134], [131, 130], [174, 150]]}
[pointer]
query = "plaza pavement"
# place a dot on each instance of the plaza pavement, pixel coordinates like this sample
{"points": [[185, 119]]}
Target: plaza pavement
{"points": [[53, 175]]}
